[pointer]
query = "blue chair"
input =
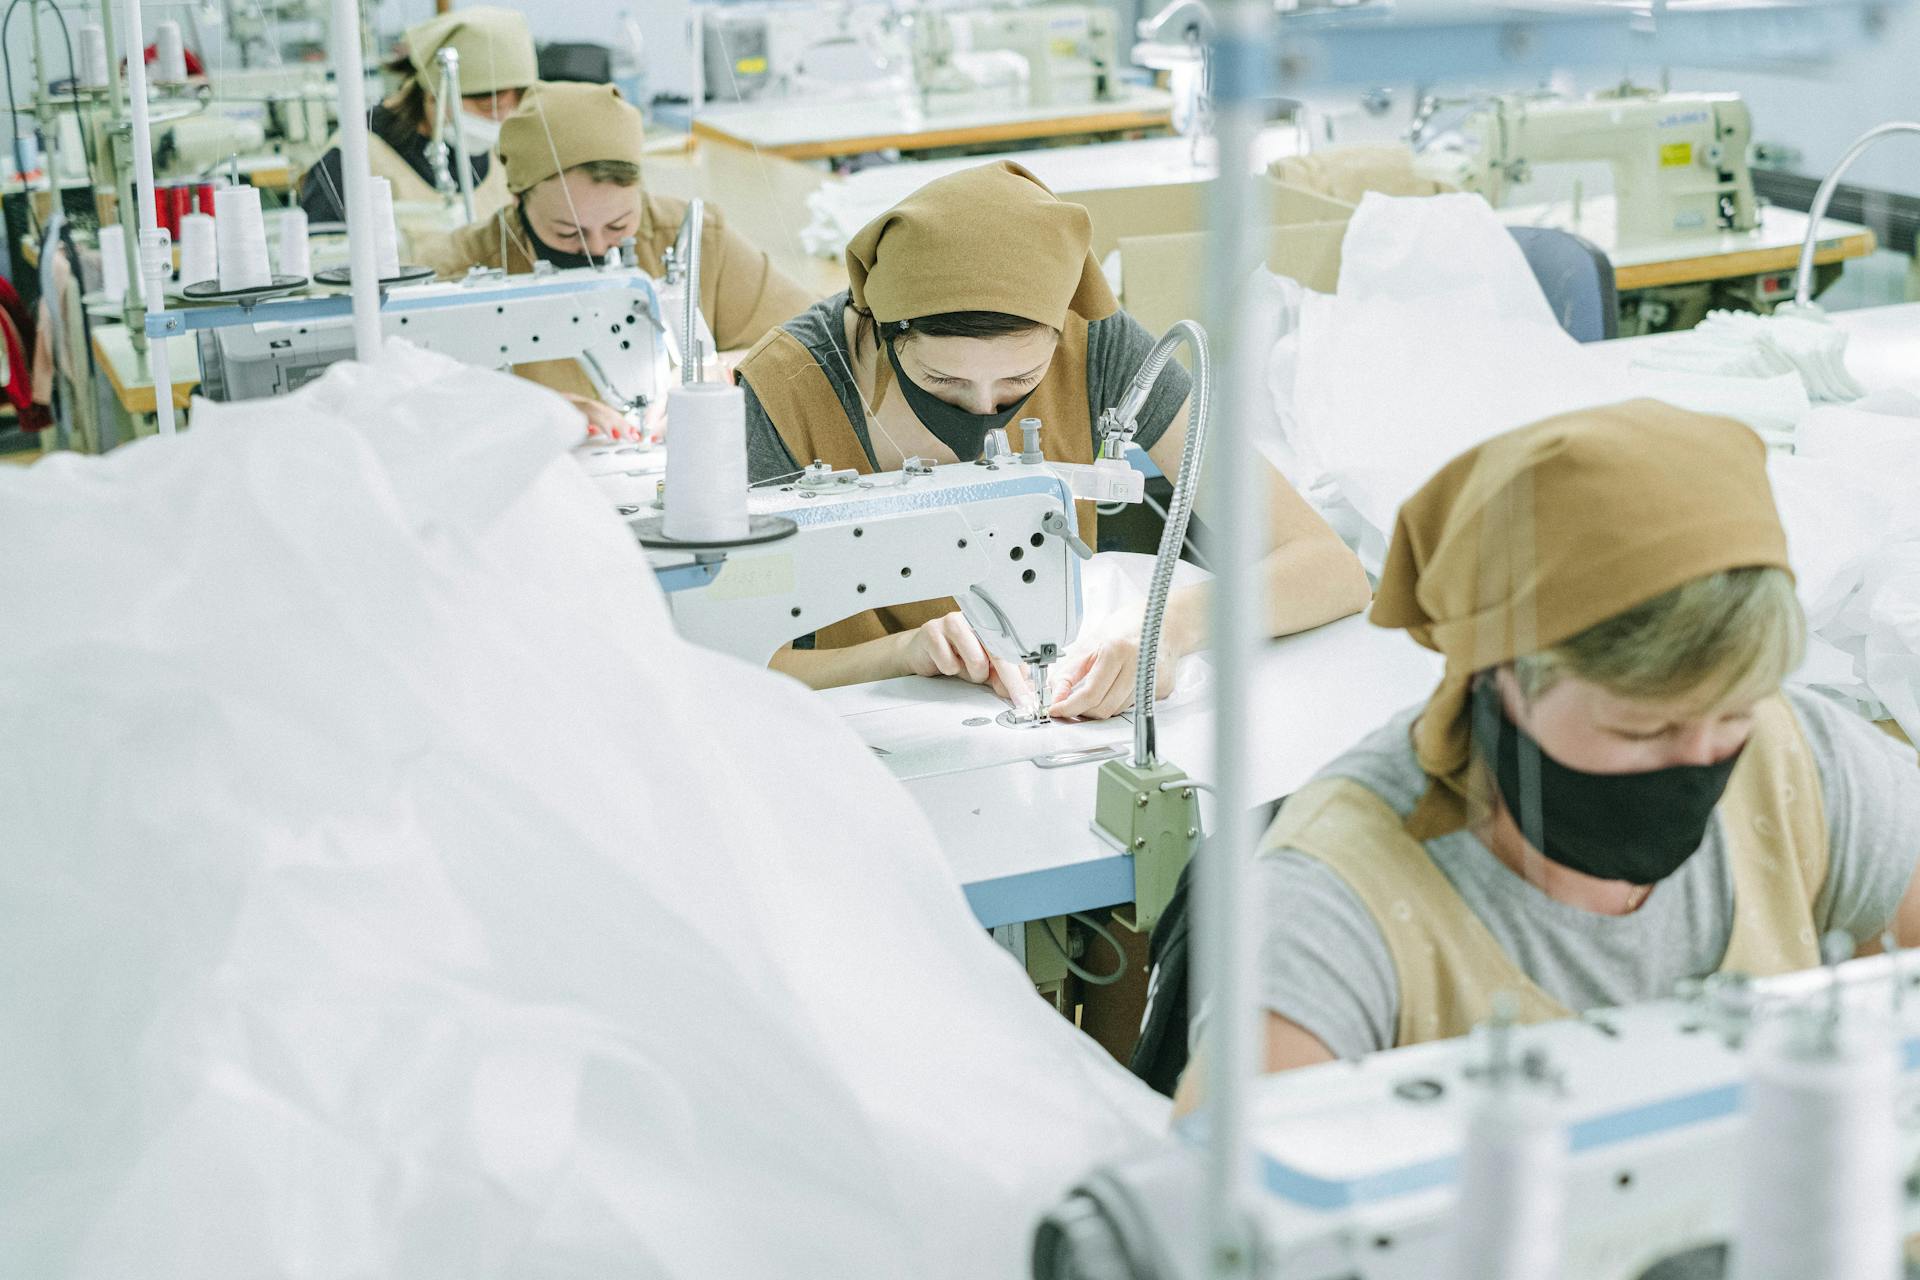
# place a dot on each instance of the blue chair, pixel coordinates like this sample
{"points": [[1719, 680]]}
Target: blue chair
{"points": [[1577, 279]]}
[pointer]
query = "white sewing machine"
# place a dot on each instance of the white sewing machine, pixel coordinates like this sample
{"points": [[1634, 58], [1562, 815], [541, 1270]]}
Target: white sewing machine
{"points": [[778, 49], [1038, 56], [1679, 160], [1360, 1161], [619, 324], [998, 535]]}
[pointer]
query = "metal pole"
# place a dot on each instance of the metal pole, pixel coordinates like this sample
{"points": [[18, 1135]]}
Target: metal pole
{"points": [[1803, 278], [350, 67], [156, 247], [109, 140], [1240, 63], [450, 100]]}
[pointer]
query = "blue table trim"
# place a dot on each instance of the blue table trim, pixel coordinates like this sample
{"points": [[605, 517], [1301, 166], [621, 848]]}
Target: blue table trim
{"points": [[1056, 891]]}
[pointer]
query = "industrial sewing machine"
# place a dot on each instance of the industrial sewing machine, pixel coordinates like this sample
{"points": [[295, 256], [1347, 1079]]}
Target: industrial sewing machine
{"points": [[1039, 56], [1360, 1161], [950, 57], [998, 535], [1679, 160], [613, 320]]}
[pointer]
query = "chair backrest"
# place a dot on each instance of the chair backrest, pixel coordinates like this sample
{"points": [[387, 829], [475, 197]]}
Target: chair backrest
{"points": [[1577, 279], [572, 60]]}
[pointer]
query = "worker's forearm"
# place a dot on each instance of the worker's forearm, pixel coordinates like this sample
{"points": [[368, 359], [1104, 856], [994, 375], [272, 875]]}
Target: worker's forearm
{"points": [[880, 659], [1308, 583]]}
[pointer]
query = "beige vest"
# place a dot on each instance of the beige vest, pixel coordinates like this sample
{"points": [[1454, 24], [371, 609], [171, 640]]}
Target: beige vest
{"points": [[1446, 961], [813, 424]]}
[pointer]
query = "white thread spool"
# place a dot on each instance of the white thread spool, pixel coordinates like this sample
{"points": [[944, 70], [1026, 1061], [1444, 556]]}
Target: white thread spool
{"points": [[240, 238], [169, 54], [386, 235], [113, 261], [1821, 1195], [296, 258], [199, 258], [1507, 1223], [706, 462], [94, 67]]}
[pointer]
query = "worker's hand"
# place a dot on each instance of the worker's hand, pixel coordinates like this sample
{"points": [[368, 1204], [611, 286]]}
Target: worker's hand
{"points": [[604, 422], [1095, 679], [947, 646]]}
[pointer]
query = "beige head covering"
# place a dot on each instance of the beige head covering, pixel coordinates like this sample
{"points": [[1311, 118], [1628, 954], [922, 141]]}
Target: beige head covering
{"points": [[494, 44], [1533, 537], [562, 125], [986, 239]]}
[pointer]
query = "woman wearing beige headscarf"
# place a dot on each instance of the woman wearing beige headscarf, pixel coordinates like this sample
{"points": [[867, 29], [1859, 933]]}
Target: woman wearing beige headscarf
{"points": [[972, 300], [571, 156], [497, 65], [1609, 791]]}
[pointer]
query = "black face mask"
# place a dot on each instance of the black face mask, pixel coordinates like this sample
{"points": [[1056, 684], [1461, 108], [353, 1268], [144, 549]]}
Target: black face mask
{"points": [[964, 433], [547, 253], [1637, 827]]}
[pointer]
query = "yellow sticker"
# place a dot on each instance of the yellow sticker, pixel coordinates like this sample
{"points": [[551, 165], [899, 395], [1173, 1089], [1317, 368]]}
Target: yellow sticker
{"points": [[751, 66], [1674, 155]]}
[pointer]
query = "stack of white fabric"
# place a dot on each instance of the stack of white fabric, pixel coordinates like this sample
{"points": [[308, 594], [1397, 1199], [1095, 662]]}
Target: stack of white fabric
{"points": [[389, 891], [1738, 344], [1438, 338]]}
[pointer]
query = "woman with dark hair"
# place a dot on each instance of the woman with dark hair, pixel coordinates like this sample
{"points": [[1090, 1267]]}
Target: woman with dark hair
{"points": [[976, 299], [497, 65]]}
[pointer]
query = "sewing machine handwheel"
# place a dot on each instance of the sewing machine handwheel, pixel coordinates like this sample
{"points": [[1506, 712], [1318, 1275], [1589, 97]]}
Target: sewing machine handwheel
{"points": [[651, 533]]}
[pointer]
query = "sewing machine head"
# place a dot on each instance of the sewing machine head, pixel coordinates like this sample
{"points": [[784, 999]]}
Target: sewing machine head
{"points": [[997, 535], [1043, 55], [1679, 161], [1360, 1162]]}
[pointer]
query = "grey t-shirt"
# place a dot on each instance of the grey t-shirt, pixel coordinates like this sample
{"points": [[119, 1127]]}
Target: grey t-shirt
{"points": [[1116, 347], [1325, 965]]}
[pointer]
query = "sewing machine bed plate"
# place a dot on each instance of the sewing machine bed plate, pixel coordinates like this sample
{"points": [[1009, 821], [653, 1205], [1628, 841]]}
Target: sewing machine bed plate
{"points": [[1020, 837]]}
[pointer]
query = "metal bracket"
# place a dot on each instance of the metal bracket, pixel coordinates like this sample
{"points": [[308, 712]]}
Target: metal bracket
{"points": [[1157, 825]]}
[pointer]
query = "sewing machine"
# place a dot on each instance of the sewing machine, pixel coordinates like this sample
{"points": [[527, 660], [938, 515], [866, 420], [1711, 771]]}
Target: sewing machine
{"points": [[1679, 160], [745, 52], [1360, 1160], [613, 320], [998, 535], [1039, 56]]}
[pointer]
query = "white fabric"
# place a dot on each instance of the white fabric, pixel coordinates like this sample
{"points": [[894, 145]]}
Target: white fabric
{"points": [[388, 891], [1439, 338]]}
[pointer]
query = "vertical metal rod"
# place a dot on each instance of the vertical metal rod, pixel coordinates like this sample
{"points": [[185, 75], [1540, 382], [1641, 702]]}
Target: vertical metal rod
{"points": [[349, 66], [1240, 65], [156, 249], [110, 141], [451, 98]]}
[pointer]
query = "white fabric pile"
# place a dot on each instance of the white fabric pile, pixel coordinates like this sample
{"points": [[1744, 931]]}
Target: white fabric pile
{"points": [[390, 892], [1738, 344], [1438, 338]]}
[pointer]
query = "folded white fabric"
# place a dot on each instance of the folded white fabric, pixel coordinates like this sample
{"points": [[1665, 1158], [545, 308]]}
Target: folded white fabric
{"points": [[1740, 344]]}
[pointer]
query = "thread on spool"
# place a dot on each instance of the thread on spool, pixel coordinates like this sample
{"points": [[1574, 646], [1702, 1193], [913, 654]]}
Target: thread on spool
{"points": [[113, 261], [169, 53], [199, 258], [386, 235], [240, 239], [296, 258], [1821, 1193], [706, 462], [1508, 1219], [94, 67]]}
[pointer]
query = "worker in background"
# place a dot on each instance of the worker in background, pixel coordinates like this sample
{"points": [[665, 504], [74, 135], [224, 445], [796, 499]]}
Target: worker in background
{"points": [[572, 157], [497, 66], [973, 301], [1609, 791]]}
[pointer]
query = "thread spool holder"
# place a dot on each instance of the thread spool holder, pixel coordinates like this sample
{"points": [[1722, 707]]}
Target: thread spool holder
{"points": [[209, 292]]}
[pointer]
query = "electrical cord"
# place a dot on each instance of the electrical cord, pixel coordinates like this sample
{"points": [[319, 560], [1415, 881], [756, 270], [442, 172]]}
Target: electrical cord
{"points": [[1096, 979]]}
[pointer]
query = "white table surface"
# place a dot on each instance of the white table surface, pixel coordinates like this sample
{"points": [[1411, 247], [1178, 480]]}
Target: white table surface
{"points": [[1019, 836], [1779, 229], [793, 124]]}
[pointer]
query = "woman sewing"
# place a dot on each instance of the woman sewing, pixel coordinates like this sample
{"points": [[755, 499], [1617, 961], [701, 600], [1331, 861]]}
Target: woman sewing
{"points": [[497, 65], [571, 154], [974, 300], [1609, 791]]}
